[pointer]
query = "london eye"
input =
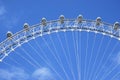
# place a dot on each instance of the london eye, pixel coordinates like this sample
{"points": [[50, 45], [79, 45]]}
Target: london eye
{"points": [[63, 49]]}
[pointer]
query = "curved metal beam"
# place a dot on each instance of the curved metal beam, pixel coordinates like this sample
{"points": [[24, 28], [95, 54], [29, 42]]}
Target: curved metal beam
{"points": [[48, 27]]}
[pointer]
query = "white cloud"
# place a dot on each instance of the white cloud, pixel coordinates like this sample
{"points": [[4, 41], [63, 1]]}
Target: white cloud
{"points": [[15, 73], [7, 19], [42, 74], [4, 73], [2, 10]]}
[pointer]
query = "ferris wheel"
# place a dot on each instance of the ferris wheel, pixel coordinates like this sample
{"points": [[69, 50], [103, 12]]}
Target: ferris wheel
{"points": [[77, 49]]}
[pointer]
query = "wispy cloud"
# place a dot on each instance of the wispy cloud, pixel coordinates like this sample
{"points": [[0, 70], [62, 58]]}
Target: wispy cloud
{"points": [[13, 74], [20, 74], [8, 19], [2, 10], [42, 74]]}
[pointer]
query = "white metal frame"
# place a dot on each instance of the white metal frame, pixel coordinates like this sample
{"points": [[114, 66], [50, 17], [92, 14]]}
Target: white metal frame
{"points": [[48, 27]]}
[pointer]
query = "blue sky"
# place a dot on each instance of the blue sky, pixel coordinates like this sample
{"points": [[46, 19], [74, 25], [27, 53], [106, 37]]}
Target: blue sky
{"points": [[26, 63]]}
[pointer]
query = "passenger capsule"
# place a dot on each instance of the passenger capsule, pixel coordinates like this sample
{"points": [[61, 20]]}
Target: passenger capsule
{"points": [[43, 21], [26, 25], [79, 18], [9, 34], [61, 19], [116, 25], [98, 21]]}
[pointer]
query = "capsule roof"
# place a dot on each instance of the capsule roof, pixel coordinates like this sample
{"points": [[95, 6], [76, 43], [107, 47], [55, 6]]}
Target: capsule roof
{"points": [[61, 17], [117, 23], [26, 24], [80, 16], [43, 19], [9, 32], [99, 19]]}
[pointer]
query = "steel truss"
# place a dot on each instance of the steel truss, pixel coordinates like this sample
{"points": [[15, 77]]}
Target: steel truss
{"points": [[47, 27]]}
